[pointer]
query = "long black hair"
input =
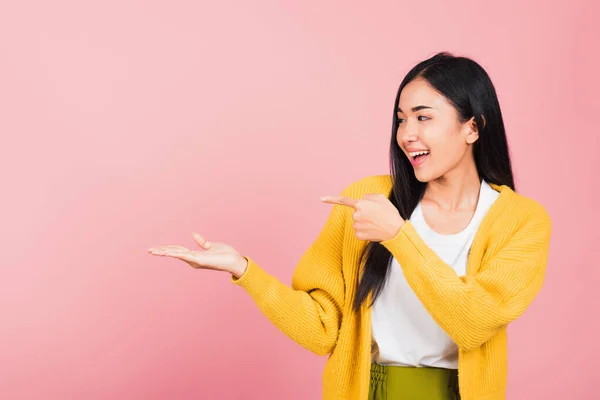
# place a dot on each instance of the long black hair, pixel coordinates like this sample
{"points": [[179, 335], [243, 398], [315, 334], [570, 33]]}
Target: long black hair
{"points": [[467, 86]]}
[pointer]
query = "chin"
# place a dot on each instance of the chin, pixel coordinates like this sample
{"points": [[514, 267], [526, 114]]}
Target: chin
{"points": [[425, 176]]}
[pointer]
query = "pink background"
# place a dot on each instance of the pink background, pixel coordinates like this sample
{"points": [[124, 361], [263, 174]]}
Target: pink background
{"points": [[128, 124]]}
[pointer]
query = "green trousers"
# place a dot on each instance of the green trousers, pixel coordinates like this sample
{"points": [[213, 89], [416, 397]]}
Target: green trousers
{"points": [[411, 383]]}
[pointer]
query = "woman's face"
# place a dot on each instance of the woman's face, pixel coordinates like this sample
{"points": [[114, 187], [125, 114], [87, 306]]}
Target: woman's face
{"points": [[431, 134]]}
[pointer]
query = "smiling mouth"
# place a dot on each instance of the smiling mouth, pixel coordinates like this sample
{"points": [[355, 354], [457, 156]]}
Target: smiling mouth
{"points": [[415, 156]]}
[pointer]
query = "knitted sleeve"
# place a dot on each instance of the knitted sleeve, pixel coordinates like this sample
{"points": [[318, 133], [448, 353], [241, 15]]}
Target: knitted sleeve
{"points": [[310, 311], [472, 308]]}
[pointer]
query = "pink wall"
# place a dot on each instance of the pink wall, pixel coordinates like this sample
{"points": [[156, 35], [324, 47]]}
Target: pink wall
{"points": [[128, 124]]}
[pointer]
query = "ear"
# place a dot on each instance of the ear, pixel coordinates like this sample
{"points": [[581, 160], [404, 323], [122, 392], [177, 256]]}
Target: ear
{"points": [[472, 131]]}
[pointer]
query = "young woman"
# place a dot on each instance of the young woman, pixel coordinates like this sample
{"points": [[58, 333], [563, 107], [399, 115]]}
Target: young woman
{"points": [[412, 282]]}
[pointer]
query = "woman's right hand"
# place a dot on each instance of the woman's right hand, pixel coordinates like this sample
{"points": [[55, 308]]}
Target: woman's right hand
{"points": [[215, 256]]}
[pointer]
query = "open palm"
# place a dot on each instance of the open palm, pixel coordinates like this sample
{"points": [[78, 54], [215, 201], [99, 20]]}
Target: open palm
{"points": [[214, 256]]}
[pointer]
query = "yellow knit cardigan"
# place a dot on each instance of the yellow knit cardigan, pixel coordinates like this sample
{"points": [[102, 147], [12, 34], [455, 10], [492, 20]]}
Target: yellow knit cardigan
{"points": [[505, 271]]}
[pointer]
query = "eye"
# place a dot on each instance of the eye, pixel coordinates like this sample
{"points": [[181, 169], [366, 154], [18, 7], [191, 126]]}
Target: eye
{"points": [[423, 118], [399, 120]]}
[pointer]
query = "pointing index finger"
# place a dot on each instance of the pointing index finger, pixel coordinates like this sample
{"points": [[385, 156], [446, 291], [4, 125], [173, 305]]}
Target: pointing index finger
{"points": [[341, 200]]}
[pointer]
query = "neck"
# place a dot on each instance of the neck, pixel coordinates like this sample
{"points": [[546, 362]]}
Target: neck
{"points": [[458, 190]]}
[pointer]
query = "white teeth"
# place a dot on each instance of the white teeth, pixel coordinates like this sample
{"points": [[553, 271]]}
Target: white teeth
{"points": [[418, 153]]}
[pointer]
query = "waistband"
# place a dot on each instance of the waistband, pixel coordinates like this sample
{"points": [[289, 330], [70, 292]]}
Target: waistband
{"points": [[416, 375]]}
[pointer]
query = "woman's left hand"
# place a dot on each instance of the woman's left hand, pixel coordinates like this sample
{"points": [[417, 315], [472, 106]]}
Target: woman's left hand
{"points": [[375, 217]]}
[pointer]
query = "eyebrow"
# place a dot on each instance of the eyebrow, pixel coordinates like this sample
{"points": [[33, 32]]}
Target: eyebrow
{"points": [[415, 109]]}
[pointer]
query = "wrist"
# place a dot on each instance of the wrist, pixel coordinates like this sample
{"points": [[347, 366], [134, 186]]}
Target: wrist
{"points": [[397, 227], [240, 267]]}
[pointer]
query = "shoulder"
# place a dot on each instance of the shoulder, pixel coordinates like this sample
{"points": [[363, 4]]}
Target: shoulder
{"points": [[373, 184], [532, 208], [525, 210]]}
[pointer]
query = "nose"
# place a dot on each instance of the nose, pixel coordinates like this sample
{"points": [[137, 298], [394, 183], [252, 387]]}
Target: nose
{"points": [[407, 133]]}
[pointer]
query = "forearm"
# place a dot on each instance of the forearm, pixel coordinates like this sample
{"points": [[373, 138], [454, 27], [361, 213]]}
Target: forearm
{"points": [[310, 319], [471, 309]]}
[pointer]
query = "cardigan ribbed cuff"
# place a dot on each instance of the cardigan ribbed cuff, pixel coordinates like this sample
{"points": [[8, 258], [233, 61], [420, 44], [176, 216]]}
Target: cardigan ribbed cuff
{"points": [[407, 238], [254, 280]]}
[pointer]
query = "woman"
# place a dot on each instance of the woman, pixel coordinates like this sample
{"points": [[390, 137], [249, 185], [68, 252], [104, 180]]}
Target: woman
{"points": [[415, 276]]}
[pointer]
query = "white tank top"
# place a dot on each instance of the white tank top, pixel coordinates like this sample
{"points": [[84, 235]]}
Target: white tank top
{"points": [[403, 331]]}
